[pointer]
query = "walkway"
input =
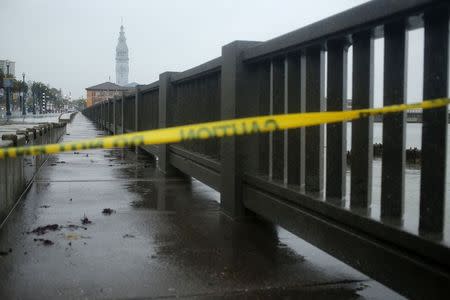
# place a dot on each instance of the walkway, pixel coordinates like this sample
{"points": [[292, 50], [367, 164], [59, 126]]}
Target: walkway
{"points": [[166, 237]]}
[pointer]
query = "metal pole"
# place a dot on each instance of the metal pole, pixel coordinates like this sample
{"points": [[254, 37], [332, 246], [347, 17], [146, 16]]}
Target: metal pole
{"points": [[24, 111], [41, 103], [34, 103], [8, 91]]}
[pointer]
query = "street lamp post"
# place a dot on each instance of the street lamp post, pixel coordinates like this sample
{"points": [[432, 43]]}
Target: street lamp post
{"points": [[24, 111], [34, 101], [8, 91], [42, 103]]}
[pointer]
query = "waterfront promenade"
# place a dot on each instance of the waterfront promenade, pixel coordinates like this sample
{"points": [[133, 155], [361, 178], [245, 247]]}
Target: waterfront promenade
{"points": [[165, 237]]}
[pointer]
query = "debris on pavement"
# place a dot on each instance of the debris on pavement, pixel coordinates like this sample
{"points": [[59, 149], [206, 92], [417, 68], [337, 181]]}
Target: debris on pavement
{"points": [[45, 242], [75, 227], [44, 206], [85, 220], [44, 229], [108, 211], [128, 236], [72, 236], [5, 253]]}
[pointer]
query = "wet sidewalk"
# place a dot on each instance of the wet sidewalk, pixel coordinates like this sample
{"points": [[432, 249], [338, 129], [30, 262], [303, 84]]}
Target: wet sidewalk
{"points": [[165, 237]]}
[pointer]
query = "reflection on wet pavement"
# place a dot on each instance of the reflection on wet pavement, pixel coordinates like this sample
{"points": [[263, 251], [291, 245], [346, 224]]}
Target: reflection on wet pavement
{"points": [[166, 237]]}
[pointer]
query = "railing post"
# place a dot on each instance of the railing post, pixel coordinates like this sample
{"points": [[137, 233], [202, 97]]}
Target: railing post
{"points": [[166, 92], [394, 126], [111, 108], [433, 184], [107, 115], [136, 108], [114, 115], [136, 113], [314, 81], [107, 118], [336, 151], [235, 151], [103, 115], [362, 129], [100, 119], [121, 114]]}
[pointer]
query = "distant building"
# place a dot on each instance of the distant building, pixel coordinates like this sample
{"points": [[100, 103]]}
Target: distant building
{"points": [[122, 61], [103, 91], [4, 66], [131, 84]]}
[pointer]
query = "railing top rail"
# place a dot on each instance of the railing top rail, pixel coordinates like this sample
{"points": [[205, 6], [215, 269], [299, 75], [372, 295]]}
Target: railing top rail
{"points": [[149, 87], [130, 92], [356, 19], [209, 67]]}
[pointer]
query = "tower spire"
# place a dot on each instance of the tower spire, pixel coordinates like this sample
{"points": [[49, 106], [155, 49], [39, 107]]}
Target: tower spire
{"points": [[122, 60]]}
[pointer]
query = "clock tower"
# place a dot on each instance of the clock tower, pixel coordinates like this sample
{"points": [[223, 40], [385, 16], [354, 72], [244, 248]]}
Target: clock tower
{"points": [[122, 59]]}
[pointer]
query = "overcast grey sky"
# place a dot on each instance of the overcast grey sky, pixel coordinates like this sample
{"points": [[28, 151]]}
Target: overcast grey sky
{"points": [[70, 44]]}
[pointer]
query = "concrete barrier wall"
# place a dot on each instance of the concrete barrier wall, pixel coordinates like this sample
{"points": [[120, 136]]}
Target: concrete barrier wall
{"points": [[16, 174]]}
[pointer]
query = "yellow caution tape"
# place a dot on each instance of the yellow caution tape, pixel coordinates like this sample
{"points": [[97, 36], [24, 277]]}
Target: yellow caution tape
{"points": [[218, 129]]}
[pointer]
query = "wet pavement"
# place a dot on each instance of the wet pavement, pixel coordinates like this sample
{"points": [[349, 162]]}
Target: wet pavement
{"points": [[164, 237]]}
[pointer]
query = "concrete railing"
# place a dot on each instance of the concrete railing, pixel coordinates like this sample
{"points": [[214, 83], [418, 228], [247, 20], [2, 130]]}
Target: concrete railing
{"points": [[16, 174]]}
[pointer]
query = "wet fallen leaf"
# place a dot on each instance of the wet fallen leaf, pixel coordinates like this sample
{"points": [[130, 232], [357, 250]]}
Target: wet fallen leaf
{"points": [[45, 242], [108, 211], [44, 229], [72, 236]]}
